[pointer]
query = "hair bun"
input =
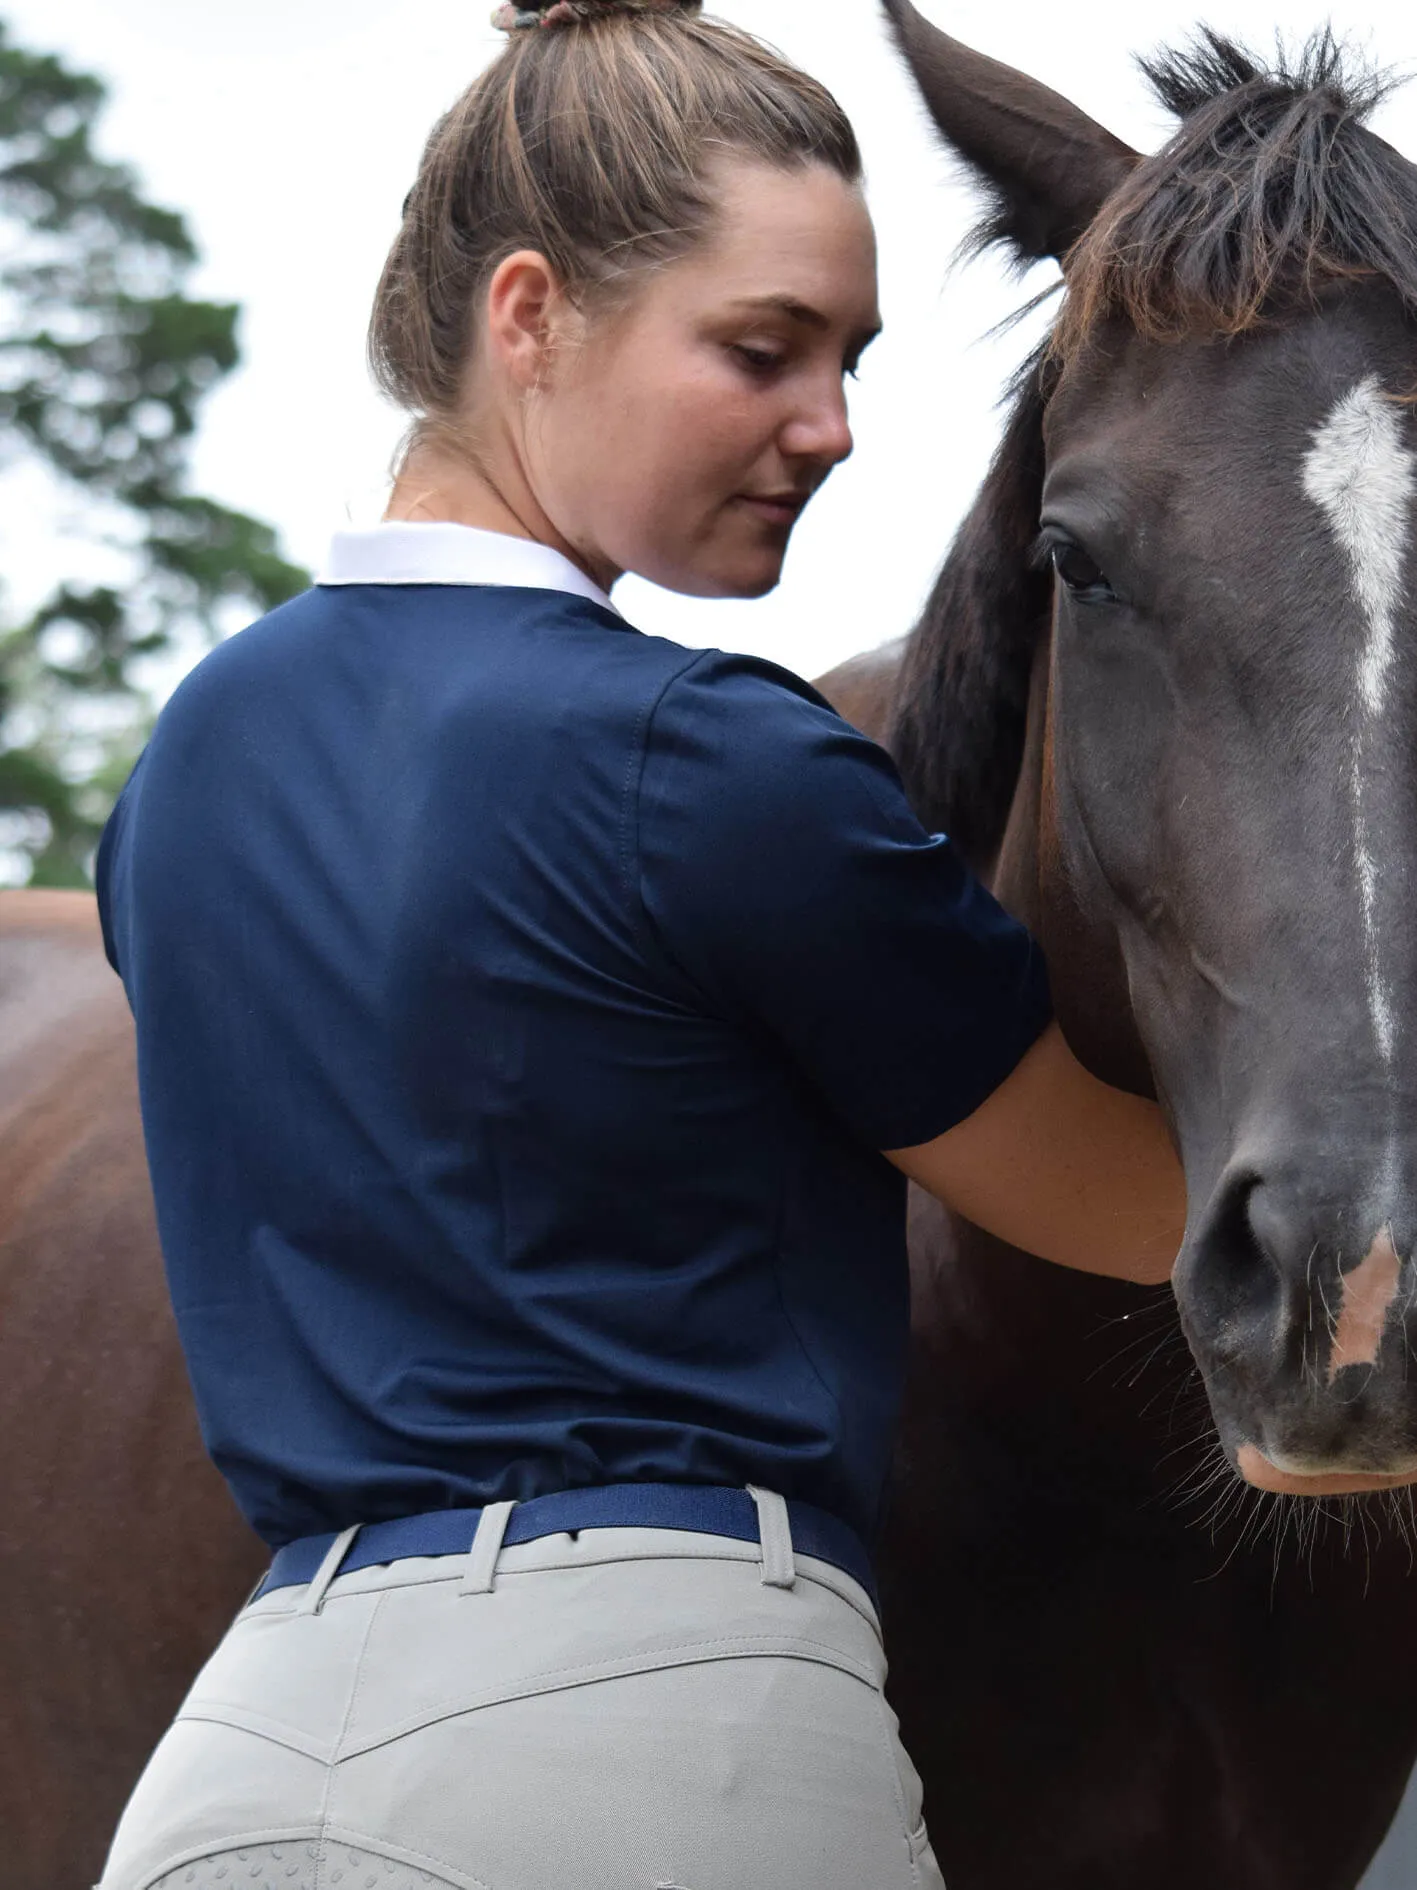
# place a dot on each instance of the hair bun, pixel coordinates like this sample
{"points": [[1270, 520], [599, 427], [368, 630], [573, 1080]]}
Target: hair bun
{"points": [[517, 18]]}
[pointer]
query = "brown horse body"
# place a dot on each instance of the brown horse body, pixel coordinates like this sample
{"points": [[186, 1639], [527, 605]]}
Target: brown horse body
{"points": [[121, 1555]]}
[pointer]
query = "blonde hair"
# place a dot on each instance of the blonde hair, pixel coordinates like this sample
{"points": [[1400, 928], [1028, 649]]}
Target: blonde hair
{"points": [[593, 144]]}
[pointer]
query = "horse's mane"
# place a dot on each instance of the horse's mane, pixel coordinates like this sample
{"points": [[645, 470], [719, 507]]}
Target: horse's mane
{"points": [[961, 699], [1271, 188]]}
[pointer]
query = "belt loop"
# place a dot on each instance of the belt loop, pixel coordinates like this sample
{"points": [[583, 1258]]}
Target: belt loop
{"points": [[486, 1547], [775, 1535], [314, 1599]]}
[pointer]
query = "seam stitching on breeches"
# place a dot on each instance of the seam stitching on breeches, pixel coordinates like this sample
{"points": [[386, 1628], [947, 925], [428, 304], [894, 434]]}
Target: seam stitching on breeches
{"points": [[264, 1836], [551, 1680], [227, 1865], [242, 1719], [339, 1737], [405, 1853], [907, 1831], [559, 1679]]}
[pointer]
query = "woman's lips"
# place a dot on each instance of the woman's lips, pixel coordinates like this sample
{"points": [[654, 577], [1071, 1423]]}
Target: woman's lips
{"points": [[1258, 1471], [779, 511]]}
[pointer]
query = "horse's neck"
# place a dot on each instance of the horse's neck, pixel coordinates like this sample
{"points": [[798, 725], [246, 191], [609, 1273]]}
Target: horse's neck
{"points": [[999, 1332], [1016, 879], [1031, 878]]}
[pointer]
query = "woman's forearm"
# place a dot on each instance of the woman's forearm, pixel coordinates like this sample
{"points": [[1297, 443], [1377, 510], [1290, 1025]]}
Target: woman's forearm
{"points": [[1064, 1166]]}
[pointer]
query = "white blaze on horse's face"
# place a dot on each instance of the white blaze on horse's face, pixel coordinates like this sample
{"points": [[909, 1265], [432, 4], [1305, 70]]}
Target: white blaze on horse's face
{"points": [[1362, 476]]}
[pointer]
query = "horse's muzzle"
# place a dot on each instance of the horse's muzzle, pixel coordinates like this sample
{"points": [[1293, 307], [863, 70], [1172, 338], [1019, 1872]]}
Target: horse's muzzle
{"points": [[1296, 1291]]}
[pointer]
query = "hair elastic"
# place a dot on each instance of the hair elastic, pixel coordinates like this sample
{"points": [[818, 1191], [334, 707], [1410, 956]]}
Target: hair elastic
{"points": [[514, 18]]}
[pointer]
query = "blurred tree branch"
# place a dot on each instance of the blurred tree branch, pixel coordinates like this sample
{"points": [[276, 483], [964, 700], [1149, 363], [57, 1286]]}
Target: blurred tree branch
{"points": [[104, 363]]}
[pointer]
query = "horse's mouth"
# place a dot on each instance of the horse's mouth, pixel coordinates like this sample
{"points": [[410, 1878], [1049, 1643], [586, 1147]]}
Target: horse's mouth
{"points": [[1262, 1474]]}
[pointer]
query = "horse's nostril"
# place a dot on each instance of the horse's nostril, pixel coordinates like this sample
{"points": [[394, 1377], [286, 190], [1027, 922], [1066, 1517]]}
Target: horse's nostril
{"points": [[1282, 1279], [1236, 1265], [1269, 1228], [1294, 1306]]}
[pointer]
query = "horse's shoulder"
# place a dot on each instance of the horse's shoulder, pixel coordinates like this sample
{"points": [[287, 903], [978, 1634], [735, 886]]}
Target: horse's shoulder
{"points": [[862, 689]]}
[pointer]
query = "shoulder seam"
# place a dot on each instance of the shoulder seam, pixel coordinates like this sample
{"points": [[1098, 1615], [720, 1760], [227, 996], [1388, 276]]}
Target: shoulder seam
{"points": [[631, 875]]}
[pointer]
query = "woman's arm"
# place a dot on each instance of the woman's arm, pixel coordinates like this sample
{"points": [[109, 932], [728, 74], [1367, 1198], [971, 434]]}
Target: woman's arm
{"points": [[1065, 1167]]}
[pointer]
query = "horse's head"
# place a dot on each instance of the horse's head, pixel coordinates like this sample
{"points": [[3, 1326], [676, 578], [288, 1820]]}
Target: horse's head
{"points": [[1209, 802]]}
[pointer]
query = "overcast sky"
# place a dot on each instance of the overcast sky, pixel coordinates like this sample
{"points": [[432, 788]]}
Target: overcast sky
{"points": [[288, 131]]}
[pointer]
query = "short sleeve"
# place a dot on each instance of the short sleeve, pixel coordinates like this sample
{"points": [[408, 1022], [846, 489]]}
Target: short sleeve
{"points": [[782, 870]]}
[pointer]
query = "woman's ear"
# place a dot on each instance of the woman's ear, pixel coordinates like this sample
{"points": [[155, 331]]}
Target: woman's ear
{"points": [[528, 315]]}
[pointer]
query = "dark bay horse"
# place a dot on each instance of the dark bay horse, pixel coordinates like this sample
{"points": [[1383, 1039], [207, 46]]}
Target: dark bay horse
{"points": [[1172, 776], [1166, 689]]}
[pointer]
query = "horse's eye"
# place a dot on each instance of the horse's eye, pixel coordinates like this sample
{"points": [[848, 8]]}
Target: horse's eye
{"points": [[1082, 575]]}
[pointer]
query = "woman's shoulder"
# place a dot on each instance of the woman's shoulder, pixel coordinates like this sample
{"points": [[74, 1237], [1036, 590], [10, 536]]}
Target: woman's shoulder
{"points": [[743, 706], [754, 719], [744, 756]]}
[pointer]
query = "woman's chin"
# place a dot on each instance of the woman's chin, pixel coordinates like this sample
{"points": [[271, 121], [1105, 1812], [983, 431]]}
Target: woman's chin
{"points": [[757, 587], [739, 582]]}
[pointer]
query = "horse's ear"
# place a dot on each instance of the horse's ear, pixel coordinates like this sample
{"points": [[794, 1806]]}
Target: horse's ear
{"points": [[1048, 167]]}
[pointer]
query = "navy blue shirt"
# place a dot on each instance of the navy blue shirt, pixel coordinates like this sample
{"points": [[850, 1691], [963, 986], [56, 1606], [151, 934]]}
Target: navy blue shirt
{"points": [[522, 1003]]}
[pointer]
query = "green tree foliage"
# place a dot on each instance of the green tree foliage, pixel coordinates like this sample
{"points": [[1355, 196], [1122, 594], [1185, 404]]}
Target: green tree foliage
{"points": [[103, 366]]}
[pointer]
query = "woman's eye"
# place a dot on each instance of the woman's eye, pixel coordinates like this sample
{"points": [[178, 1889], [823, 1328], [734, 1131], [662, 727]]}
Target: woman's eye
{"points": [[1082, 575], [760, 360]]}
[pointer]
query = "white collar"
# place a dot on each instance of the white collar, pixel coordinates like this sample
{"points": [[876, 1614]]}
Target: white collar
{"points": [[401, 552]]}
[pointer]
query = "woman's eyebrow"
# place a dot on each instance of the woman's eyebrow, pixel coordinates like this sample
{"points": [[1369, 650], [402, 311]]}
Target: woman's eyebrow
{"points": [[802, 312]]}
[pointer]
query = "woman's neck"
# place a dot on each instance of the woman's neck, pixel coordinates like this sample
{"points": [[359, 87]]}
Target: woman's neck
{"points": [[437, 484]]}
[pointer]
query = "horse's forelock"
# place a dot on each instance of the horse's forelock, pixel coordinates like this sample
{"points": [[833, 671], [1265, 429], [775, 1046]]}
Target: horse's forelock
{"points": [[1271, 189], [1186, 78]]}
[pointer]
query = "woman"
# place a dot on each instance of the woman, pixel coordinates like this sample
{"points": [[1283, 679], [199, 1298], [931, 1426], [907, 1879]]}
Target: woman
{"points": [[524, 1005]]}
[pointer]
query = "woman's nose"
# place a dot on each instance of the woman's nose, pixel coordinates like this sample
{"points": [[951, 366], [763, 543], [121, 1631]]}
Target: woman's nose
{"points": [[821, 431]]}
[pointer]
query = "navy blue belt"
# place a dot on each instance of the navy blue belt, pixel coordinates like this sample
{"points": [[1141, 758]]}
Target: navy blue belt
{"points": [[708, 1509]]}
